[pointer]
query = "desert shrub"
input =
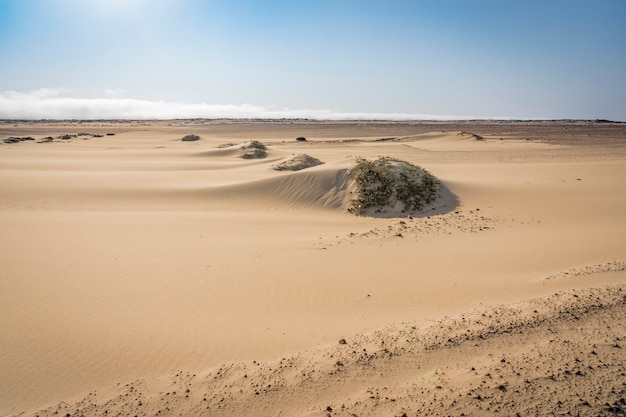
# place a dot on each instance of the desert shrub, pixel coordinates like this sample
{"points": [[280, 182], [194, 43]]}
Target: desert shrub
{"points": [[190, 138], [256, 150], [226, 145], [254, 154], [255, 144], [297, 163], [385, 182], [374, 184]]}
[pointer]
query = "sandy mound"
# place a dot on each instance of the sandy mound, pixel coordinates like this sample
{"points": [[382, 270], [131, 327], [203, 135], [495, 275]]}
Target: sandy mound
{"points": [[297, 163], [306, 190], [254, 150], [391, 186]]}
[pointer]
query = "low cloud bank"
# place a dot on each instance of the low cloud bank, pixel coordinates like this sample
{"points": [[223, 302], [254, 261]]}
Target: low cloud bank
{"points": [[52, 104]]}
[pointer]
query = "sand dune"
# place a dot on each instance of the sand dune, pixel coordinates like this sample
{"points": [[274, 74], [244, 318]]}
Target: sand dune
{"points": [[313, 189], [136, 266]]}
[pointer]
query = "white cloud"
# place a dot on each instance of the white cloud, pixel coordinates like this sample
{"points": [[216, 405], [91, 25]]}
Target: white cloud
{"points": [[55, 104], [114, 92]]}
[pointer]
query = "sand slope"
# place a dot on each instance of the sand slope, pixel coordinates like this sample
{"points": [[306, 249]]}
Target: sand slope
{"points": [[558, 354], [131, 262]]}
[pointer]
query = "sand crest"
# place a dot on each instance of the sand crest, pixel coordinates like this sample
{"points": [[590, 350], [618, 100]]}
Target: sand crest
{"points": [[562, 352]]}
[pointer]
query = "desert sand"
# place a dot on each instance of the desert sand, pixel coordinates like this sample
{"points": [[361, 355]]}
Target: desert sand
{"points": [[145, 275]]}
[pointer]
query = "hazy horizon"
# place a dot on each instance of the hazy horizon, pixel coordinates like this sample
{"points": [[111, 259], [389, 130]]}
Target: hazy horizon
{"points": [[366, 60]]}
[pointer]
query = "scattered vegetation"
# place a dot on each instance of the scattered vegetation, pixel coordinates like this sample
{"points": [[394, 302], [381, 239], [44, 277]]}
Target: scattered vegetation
{"points": [[226, 145], [254, 144], [190, 138], [14, 139], [474, 135], [83, 135], [387, 182], [297, 163], [254, 154], [256, 150]]}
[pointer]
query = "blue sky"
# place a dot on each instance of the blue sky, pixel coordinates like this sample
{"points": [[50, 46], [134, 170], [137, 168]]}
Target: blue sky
{"points": [[321, 59]]}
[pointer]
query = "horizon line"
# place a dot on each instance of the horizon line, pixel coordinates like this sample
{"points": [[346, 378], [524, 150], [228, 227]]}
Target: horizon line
{"points": [[57, 104], [312, 119]]}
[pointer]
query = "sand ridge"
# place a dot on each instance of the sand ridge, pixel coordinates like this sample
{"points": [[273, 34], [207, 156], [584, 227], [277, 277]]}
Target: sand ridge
{"points": [[462, 365]]}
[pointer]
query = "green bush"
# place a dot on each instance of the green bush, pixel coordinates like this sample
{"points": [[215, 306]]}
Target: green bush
{"points": [[384, 182]]}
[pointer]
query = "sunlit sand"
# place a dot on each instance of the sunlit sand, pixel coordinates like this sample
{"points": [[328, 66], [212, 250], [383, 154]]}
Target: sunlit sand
{"points": [[141, 274]]}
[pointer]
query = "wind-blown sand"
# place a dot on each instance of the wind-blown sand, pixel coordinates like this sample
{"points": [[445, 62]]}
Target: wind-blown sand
{"points": [[145, 275]]}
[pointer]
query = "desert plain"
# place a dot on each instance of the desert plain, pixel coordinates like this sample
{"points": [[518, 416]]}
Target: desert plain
{"points": [[145, 275]]}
